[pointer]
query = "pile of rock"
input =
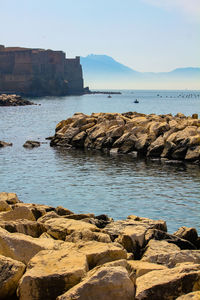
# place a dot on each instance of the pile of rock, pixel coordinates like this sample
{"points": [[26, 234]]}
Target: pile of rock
{"points": [[158, 136], [52, 253], [13, 100]]}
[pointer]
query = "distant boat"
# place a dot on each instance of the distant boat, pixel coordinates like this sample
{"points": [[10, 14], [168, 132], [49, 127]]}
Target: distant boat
{"points": [[109, 96], [136, 101]]}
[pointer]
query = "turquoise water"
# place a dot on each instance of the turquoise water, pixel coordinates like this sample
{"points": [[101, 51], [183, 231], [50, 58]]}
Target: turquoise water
{"points": [[88, 182]]}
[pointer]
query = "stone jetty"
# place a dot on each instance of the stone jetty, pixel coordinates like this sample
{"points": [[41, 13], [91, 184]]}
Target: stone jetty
{"points": [[53, 253], [13, 100], [165, 137]]}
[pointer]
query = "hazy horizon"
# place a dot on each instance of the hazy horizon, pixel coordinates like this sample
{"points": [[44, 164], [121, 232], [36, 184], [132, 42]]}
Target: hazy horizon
{"points": [[146, 35]]}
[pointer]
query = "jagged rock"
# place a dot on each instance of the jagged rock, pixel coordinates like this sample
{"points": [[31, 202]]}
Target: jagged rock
{"points": [[10, 198], [22, 247], [150, 135], [142, 267], [161, 252], [59, 228], [48, 216], [10, 273], [162, 235], [131, 232], [37, 210], [88, 235], [106, 283], [79, 216], [51, 273], [167, 284], [17, 213], [4, 144], [4, 206], [61, 211], [189, 234], [13, 100], [190, 296], [24, 226], [31, 144]]}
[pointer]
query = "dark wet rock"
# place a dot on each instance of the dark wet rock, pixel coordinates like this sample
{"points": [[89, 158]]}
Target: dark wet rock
{"points": [[5, 144], [31, 144], [13, 100]]}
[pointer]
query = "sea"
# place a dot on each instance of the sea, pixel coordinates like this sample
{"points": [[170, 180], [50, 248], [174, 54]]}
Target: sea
{"points": [[86, 182]]}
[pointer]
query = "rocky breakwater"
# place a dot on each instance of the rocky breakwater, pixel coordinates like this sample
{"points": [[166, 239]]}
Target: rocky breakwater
{"points": [[13, 100], [156, 136], [52, 253]]}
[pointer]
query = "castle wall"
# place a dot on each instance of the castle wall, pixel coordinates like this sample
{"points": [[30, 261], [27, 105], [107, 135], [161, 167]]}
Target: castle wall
{"points": [[38, 72]]}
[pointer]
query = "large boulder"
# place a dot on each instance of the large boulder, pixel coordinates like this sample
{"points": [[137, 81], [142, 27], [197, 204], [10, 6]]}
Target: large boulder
{"points": [[51, 273], [10, 198], [142, 267], [106, 282], [188, 233], [59, 228], [190, 296], [17, 213], [88, 235], [4, 206], [164, 253], [24, 226], [169, 283], [22, 247], [10, 273]]}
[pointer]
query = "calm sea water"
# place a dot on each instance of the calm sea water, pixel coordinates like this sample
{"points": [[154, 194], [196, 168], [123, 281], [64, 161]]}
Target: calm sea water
{"points": [[99, 183]]}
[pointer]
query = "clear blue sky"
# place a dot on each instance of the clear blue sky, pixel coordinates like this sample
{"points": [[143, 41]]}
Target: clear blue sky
{"points": [[146, 35]]}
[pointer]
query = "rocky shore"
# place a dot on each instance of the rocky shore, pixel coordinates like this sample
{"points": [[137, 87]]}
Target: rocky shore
{"points": [[52, 253], [13, 100], [164, 137]]}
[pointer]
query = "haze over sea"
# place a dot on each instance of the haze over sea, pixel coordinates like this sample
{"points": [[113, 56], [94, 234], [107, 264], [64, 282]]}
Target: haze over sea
{"points": [[98, 183]]}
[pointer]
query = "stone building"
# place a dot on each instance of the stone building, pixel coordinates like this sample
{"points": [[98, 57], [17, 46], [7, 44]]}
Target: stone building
{"points": [[39, 72]]}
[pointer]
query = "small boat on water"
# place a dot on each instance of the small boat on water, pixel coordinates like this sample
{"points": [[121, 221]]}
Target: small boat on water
{"points": [[109, 96], [136, 101]]}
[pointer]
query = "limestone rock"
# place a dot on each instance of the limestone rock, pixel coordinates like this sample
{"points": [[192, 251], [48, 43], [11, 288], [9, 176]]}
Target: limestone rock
{"points": [[143, 267], [99, 253], [48, 216], [88, 235], [22, 247], [106, 283], [51, 273], [190, 296], [4, 206], [24, 226], [37, 210], [10, 198], [10, 273], [167, 284], [59, 228], [17, 213], [163, 253], [61, 211], [189, 234]]}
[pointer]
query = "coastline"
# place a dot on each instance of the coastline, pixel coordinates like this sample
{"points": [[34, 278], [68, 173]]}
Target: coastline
{"points": [[48, 245]]}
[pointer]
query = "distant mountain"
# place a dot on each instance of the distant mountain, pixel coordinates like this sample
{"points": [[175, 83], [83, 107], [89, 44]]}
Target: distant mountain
{"points": [[102, 71]]}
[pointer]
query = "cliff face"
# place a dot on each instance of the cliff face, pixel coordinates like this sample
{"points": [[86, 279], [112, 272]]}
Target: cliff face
{"points": [[39, 72]]}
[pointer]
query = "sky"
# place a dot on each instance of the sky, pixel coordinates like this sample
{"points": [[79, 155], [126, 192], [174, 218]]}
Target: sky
{"points": [[146, 35]]}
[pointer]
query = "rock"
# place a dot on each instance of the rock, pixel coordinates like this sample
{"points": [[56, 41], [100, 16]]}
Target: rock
{"points": [[61, 211], [31, 144], [99, 253], [51, 273], [189, 234], [37, 210], [10, 198], [161, 252], [194, 116], [162, 235], [142, 267], [22, 247], [13, 100], [4, 206], [148, 135], [24, 226], [190, 296], [88, 235], [4, 144], [10, 273], [59, 228], [167, 284], [48, 216], [106, 283], [17, 213], [79, 216]]}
